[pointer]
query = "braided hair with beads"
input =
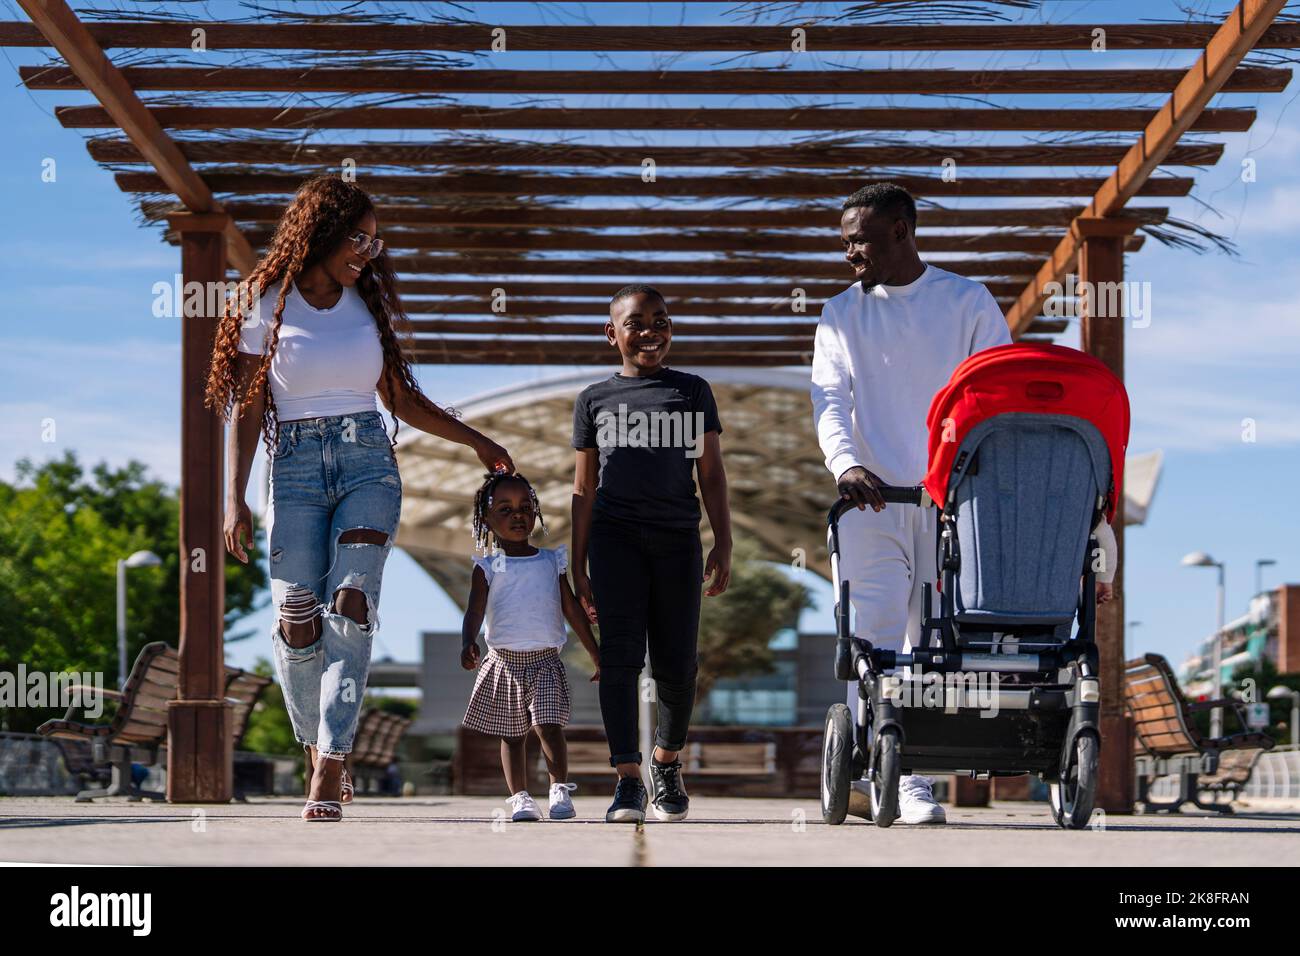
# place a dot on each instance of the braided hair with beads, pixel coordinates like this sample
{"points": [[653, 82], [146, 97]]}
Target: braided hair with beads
{"points": [[483, 535]]}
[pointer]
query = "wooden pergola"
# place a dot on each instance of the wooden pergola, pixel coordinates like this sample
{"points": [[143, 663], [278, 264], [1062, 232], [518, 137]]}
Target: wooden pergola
{"points": [[743, 239]]}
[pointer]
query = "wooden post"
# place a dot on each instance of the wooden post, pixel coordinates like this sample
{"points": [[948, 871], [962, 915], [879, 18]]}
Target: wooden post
{"points": [[1101, 269], [199, 722]]}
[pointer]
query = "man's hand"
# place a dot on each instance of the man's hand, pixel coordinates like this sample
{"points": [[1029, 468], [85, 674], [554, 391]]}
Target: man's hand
{"points": [[469, 656], [862, 488], [1105, 592], [582, 590], [238, 529]]}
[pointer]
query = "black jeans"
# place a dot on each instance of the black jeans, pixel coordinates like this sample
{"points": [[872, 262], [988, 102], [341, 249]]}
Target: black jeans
{"points": [[647, 582]]}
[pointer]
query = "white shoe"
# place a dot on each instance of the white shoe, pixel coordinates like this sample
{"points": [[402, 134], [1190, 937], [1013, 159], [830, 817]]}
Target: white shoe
{"points": [[916, 803], [561, 804], [524, 807]]}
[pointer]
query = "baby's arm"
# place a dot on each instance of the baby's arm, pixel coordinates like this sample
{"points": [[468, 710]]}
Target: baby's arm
{"points": [[475, 609], [577, 618], [1109, 560]]}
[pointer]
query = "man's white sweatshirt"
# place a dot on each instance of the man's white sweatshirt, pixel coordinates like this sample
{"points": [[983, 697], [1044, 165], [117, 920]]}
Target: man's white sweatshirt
{"points": [[879, 358]]}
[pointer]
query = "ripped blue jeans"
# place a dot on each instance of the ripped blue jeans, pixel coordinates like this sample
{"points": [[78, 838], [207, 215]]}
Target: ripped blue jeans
{"points": [[331, 478]]}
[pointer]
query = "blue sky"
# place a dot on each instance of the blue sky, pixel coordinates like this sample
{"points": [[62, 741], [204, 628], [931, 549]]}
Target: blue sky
{"points": [[82, 347]]}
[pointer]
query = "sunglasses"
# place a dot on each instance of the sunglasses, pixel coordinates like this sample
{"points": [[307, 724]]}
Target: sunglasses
{"points": [[363, 245]]}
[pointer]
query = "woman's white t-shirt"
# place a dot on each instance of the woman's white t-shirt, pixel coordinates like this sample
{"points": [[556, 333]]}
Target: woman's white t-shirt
{"points": [[523, 606], [327, 361]]}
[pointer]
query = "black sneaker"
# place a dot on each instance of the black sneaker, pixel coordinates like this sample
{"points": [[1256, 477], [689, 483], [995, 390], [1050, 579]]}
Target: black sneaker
{"points": [[629, 802], [670, 800]]}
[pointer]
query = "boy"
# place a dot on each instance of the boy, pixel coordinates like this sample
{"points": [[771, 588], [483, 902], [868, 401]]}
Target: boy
{"points": [[641, 436]]}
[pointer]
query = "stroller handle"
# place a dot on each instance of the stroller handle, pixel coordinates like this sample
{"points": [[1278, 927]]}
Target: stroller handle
{"points": [[892, 494]]}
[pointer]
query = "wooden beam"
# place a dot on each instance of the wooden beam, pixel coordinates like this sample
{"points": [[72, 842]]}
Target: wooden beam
{"points": [[1238, 34], [683, 329], [790, 345], [514, 323], [674, 291], [728, 82], [525, 356], [438, 187], [827, 242], [507, 153], [86, 59], [680, 217], [641, 270], [536, 117], [555, 39], [518, 306]]}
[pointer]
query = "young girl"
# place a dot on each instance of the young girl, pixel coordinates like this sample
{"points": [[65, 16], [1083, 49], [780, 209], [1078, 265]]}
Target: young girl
{"points": [[525, 595]]}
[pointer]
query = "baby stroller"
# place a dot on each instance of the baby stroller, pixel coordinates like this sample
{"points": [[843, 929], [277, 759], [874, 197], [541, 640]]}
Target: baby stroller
{"points": [[1026, 454]]}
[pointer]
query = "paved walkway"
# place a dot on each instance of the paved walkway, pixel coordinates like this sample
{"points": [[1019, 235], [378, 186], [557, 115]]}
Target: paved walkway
{"points": [[730, 831]]}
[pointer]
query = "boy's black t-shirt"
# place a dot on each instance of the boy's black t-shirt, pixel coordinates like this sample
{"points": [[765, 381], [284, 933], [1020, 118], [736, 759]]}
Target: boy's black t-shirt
{"points": [[650, 432]]}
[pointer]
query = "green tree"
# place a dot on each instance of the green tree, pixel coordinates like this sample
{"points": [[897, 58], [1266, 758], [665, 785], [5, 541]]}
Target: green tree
{"points": [[61, 534], [269, 730], [737, 625]]}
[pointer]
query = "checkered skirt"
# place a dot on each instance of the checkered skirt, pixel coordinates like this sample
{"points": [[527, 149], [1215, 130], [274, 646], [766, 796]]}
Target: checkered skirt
{"points": [[516, 690]]}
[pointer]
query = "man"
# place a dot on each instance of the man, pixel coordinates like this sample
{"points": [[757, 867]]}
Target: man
{"points": [[884, 346]]}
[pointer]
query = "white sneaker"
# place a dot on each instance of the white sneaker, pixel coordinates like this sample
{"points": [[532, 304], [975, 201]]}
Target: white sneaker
{"points": [[561, 804], [916, 803], [524, 807]]}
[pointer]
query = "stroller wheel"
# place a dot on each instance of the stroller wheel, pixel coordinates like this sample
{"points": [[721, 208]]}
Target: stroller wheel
{"points": [[884, 781], [837, 753], [1072, 797]]}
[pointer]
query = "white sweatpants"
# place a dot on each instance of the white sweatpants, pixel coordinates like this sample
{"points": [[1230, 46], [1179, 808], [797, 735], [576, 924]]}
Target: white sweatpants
{"points": [[886, 556]]}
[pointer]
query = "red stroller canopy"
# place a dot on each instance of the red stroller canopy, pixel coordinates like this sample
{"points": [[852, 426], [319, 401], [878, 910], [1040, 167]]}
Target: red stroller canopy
{"points": [[1027, 377]]}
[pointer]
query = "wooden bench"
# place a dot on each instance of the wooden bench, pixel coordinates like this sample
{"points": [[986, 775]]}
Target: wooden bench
{"points": [[1167, 743], [375, 747], [138, 731], [138, 727]]}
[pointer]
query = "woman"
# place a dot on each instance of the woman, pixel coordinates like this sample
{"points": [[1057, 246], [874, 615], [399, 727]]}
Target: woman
{"points": [[323, 337]]}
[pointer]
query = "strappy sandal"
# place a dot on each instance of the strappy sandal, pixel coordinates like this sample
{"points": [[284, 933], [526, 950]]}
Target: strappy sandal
{"points": [[334, 815], [333, 808], [348, 789]]}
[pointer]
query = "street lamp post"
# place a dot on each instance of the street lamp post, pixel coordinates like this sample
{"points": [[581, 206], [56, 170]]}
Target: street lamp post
{"points": [[1281, 692], [141, 559], [1259, 566], [1199, 559]]}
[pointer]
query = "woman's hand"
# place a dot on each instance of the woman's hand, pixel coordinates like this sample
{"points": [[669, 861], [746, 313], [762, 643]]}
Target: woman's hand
{"points": [[1105, 592], [469, 656], [582, 590], [238, 529], [595, 677], [494, 457]]}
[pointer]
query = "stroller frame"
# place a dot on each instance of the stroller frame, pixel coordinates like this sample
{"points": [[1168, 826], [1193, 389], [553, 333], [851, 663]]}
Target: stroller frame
{"points": [[1044, 723]]}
